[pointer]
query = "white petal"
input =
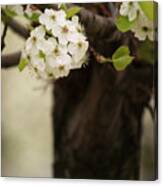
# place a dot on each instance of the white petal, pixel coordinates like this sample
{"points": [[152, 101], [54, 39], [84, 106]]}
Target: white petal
{"points": [[49, 12], [140, 35], [43, 19], [124, 9], [75, 20], [38, 32], [41, 66], [132, 15], [51, 61], [72, 48], [59, 74], [151, 35], [45, 46], [61, 17], [38, 63], [28, 44], [63, 39], [63, 49], [56, 30], [53, 41]]}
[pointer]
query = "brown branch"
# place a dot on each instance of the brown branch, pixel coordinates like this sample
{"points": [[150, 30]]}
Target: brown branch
{"points": [[18, 28], [15, 26], [97, 26], [3, 36], [10, 60]]}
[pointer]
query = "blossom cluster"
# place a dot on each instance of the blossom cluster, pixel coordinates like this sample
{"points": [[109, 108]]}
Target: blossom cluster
{"points": [[56, 46], [143, 27]]}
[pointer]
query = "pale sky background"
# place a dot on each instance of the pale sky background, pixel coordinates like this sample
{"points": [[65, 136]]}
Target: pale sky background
{"points": [[26, 121]]}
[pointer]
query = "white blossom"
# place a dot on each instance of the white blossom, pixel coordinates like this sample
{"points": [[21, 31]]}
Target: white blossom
{"points": [[38, 62], [78, 26], [58, 54], [36, 40], [56, 46], [50, 18], [143, 28], [65, 32], [129, 9], [62, 67], [78, 50]]}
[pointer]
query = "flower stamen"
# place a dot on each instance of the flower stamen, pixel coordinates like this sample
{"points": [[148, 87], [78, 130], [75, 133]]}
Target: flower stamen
{"points": [[61, 67], [53, 17], [65, 29]]}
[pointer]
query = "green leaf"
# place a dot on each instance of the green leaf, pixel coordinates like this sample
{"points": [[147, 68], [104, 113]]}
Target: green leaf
{"points": [[122, 63], [22, 64], [123, 24], [72, 11], [148, 9], [121, 58], [63, 7], [121, 51]]}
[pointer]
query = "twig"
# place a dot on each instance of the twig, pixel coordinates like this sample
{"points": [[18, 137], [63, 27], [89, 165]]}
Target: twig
{"points": [[10, 60], [3, 36]]}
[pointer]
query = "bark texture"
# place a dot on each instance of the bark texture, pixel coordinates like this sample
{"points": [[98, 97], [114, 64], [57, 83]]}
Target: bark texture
{"points": [[97, 121], [97, 116]]}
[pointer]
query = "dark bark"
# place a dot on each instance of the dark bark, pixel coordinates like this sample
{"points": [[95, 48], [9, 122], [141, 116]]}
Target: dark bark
{"points": [[97, 116], [97, 121], [3, 37], [10, 60]]}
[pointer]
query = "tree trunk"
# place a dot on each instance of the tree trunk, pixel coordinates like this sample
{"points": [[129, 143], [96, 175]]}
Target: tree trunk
{"points": [[97, 121]]}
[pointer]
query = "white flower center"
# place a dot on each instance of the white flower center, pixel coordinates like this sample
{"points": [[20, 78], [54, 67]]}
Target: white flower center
{"points": [[65, 29], [34, 39], [61, 67], [145, 29], [80, 45], [56, 51], [53, 17]]}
